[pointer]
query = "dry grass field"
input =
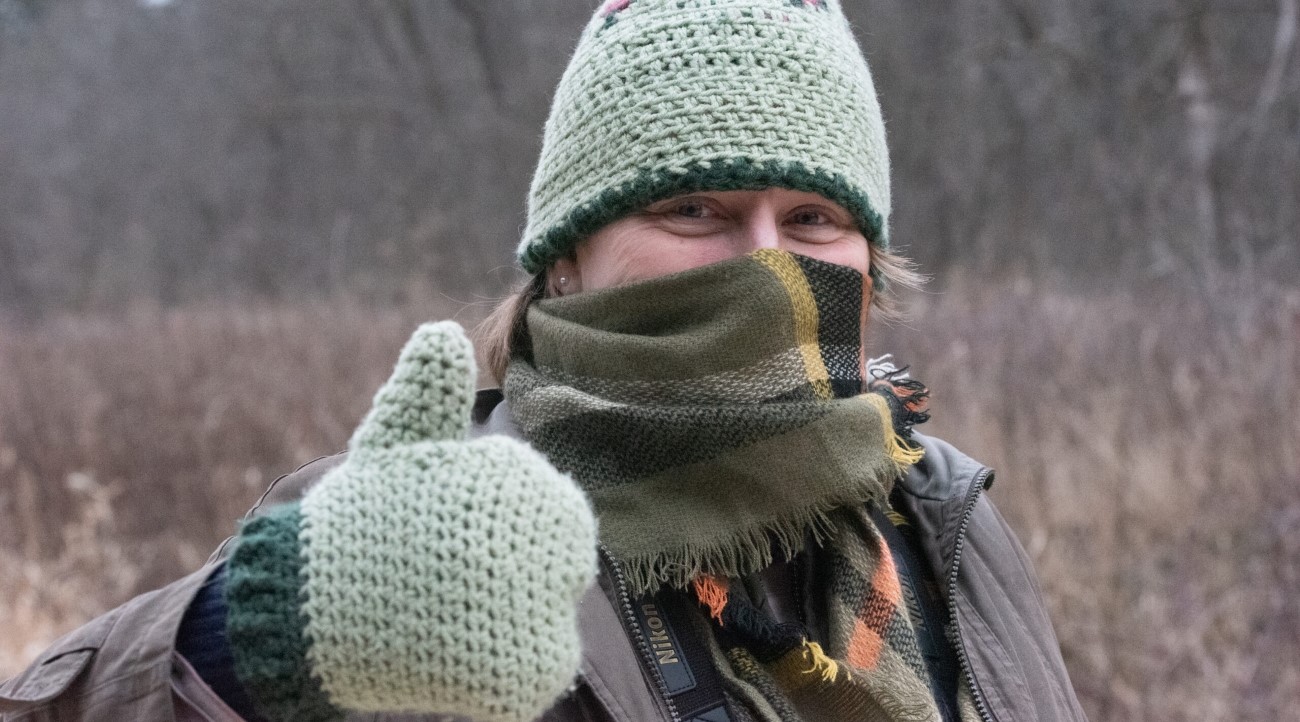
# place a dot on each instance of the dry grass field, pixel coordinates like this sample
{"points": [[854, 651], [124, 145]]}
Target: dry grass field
{"points": [[1147, 446]]}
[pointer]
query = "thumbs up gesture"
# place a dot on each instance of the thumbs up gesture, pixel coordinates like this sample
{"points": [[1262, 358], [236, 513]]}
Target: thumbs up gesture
{"points": [[426, 573]]}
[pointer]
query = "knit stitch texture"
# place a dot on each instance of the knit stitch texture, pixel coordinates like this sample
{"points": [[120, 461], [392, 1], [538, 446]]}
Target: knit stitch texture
{"points": [[264, 624], [664, 97], [437, 575]]}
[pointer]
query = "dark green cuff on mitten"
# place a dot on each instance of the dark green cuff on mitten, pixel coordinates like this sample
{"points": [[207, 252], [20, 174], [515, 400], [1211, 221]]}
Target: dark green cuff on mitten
{"points": [[264, 623]]}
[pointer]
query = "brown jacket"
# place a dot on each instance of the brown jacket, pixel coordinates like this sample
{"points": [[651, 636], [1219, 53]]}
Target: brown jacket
{"points": [[122, 666]]}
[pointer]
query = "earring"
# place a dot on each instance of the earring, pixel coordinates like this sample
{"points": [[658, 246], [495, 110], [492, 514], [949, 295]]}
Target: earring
{"points": [[564, 280]]}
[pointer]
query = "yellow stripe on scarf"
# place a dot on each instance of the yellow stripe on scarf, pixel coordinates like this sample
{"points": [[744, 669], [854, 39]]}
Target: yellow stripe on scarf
{"points": [[791, 276]]}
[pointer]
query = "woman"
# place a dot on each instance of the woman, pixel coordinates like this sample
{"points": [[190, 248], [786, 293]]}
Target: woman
{"points": [[685, 371]]}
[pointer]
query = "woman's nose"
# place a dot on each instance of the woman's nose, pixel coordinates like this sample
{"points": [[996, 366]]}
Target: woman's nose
{"points": [[761, 230]]}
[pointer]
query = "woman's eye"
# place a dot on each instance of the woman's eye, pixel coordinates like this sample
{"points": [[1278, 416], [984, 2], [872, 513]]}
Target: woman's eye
{"points": [[691, 209], [809, 218]]}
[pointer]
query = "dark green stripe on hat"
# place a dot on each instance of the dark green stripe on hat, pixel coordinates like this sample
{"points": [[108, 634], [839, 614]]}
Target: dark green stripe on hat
{"points": [[740, 174]]}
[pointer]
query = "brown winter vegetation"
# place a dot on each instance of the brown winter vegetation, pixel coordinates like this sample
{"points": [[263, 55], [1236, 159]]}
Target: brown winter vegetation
{"points": [[1146, 444], [130, 445], [270, 155]]}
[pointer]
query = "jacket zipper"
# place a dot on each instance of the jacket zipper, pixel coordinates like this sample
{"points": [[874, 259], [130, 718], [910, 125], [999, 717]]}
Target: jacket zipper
{"points": [[972, 496], [629, 619]]}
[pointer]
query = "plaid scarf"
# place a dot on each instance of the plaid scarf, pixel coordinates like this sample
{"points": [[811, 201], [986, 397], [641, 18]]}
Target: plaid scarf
{"points": [[725, 414]]}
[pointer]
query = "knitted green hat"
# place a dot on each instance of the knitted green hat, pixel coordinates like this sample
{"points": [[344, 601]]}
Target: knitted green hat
{"points": [[664, 97]]}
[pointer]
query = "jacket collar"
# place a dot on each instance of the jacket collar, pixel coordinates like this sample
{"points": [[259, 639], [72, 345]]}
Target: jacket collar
{"points": [[491, 416], [943, 473]]}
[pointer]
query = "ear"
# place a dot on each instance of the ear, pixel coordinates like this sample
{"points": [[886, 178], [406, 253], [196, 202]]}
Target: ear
{"points": [[563, 277]]}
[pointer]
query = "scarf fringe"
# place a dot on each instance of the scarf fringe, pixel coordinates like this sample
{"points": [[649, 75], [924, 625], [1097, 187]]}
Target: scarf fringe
{"points": [[752, 549], [740, 555], [898, 450], [820, 663], [712, 592]]}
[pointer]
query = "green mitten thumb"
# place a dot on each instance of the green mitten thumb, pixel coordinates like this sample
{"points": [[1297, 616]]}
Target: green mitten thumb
{"points": [[429, 396], [426, 573]]}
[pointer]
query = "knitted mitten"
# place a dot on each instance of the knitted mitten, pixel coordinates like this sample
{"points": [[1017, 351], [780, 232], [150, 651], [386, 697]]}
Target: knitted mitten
{"points": [[426, 573]]}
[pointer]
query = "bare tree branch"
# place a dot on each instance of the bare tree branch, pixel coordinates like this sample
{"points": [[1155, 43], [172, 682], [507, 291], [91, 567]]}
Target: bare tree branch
{"points": [[1283, 42], [1024, 23], [479, 32]]}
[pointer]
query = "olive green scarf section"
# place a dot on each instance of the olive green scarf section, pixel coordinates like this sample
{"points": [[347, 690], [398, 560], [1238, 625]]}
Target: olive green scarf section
{"points": [[713, 417]]}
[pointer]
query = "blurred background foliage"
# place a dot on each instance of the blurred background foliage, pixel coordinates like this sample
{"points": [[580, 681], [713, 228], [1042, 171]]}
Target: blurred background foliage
{"points": [[188, 149], [219, 220]]}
